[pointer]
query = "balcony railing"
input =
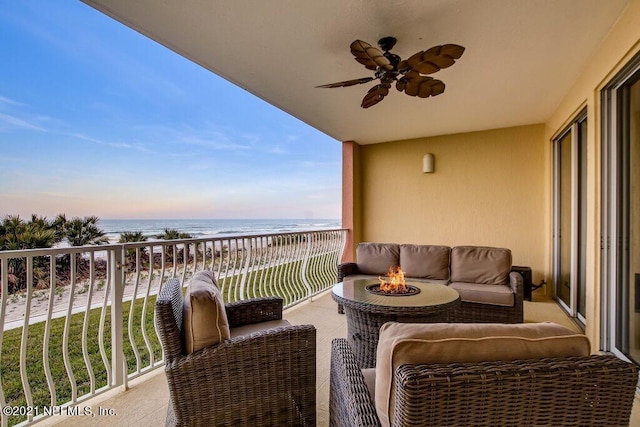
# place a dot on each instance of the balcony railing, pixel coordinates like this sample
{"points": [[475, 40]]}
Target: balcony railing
{"points": [[79, 321]]}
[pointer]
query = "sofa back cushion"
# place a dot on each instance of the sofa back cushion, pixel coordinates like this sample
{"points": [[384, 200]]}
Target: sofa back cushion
{"points": [[476, 264], [425, 261], [204, 317], [377, 258], [413, 343]]}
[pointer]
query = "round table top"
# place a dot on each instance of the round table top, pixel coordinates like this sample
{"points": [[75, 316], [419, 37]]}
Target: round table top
{"points": [[430, 294]]}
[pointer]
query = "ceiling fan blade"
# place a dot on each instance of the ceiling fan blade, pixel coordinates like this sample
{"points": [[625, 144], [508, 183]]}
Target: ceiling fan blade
{"points": [[421, 86], [434, 59], [453, 50], [348, 82], [369, 56], [375, 95]]}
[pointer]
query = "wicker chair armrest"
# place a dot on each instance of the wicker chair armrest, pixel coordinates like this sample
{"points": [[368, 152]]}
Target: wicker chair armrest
{"points": [[170, 335], [350, 403], [517, 285], [584, 390], [256, 310], [260, 367], [346, 269]]}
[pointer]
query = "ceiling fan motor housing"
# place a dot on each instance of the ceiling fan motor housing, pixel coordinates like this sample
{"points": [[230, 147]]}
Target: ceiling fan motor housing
{"points": [[387, 43]]}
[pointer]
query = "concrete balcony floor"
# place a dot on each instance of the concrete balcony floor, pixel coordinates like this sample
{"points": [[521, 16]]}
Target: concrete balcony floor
{"points": [[145, 402]]}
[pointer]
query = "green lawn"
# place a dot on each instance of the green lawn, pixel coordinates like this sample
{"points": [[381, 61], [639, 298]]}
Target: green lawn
{"points": [[10, 358]]}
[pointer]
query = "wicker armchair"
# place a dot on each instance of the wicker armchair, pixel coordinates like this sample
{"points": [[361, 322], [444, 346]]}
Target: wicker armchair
{"points": [[264, 378], [595, 390]]}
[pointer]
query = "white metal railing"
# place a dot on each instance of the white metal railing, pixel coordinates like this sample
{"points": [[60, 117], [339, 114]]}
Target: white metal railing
{"points": [[79, 321]]}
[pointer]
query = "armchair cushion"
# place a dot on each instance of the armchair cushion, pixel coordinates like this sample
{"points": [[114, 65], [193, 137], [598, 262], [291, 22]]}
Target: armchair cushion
{"points": [[204, 316], [495, 295], [377, 258], [425, 261], [257, 327], [475, 264], [411, 344]]}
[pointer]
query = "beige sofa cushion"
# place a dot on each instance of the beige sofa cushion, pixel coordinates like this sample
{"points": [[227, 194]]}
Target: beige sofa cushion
{"points": [[501, 295], [204, 316], [425, 261], [475, 264], [377, 258], [412, 343]]}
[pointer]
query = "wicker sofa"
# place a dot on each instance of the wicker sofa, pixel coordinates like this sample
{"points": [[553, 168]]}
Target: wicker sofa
{"points": [[480, 375], [235, 364], [489, 290]]}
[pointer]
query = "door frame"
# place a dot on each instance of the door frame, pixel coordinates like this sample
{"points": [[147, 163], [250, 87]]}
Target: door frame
{"points": [[615, 205]]}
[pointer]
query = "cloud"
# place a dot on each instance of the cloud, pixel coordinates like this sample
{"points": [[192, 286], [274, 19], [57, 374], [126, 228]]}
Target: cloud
{"points": [[311, 164], [125, 145], [198, 166], [9, 122], [12, 122], [206, 135], [14, 117], [4, 100], [217, 141]]}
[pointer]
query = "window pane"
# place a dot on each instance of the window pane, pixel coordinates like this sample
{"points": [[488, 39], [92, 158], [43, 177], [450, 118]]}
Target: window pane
{"points": [[582, 217], [563, 275]]}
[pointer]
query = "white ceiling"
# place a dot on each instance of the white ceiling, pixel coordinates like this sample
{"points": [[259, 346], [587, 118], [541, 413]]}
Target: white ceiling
{"points": [[521, 57]]}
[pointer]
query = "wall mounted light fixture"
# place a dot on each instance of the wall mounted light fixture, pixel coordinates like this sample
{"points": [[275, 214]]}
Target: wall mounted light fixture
{"points": [[428, 163]]}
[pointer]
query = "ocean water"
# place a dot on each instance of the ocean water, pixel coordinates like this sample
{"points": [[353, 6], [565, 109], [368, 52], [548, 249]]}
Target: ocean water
{"points": [[213, 227]]}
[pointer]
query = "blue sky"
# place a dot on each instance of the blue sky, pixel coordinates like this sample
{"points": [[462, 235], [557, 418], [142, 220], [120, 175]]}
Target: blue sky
{"points": [[96, 119]]}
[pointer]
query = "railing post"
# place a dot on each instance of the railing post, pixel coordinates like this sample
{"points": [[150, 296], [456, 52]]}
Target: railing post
{"points": [[117, 291], [247, 264], [305, 264]]}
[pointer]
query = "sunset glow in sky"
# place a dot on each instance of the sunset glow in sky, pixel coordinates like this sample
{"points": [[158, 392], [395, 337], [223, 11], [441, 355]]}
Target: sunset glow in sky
{"points": [[96, 119]]}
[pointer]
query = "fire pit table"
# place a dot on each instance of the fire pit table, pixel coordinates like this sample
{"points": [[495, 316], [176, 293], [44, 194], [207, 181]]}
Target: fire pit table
{"points": [[367, 311]]}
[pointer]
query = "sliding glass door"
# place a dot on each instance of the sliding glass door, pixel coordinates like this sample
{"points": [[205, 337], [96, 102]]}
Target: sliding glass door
{"points": [[621, 213], [633, 272], [569, 231]]}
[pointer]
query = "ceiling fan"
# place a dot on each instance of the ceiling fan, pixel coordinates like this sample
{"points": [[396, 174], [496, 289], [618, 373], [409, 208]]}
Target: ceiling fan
{"points": [[408, 74]]}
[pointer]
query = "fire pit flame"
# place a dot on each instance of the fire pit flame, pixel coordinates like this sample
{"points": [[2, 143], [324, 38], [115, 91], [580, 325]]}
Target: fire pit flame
{"points": [[393, 282]]}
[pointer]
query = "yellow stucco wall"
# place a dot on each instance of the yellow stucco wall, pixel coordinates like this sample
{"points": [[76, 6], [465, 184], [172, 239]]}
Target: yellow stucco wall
{"points": [[488, 189]]}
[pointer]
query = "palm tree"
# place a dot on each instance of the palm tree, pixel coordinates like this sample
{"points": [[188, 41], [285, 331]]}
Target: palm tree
{"points": [[78, 232], [173, 234], [17, 234], [132, 236], [129, 237], [84, 231], [11, 230], [58, 225]]}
